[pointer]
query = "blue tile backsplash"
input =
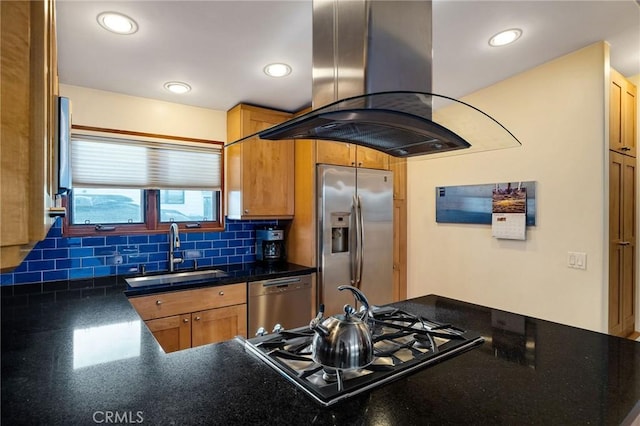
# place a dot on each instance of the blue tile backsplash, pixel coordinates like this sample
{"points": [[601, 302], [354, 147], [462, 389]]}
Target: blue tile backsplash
{"points": [[60, 258]]}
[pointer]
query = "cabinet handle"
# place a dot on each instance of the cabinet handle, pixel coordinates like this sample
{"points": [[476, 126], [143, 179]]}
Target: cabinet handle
{"points": [[158, 302], [626, 148], [624, 243], [197, 318], [221, 293], [185, 320]]}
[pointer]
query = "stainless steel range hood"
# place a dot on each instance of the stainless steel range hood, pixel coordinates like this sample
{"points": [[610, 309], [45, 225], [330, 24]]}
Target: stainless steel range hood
{"points": [[372, 63]]}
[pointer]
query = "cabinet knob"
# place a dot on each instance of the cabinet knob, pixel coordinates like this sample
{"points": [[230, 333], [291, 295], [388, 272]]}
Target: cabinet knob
{"points": [[353, 163], [185, 320], [360, 164], [221, 293], [158, 302], [197, 318], [246, 210]]}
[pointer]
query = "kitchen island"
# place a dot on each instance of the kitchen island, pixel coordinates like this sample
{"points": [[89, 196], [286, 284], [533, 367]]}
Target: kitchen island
{"points": [[91, 360]]}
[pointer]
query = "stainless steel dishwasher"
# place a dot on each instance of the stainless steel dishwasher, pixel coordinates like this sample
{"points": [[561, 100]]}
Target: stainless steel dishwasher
{"points": [[281, 301]]}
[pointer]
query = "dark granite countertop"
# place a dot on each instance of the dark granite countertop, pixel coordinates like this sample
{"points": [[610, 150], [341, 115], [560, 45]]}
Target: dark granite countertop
{"points": [[232, 274], [90, 359]]}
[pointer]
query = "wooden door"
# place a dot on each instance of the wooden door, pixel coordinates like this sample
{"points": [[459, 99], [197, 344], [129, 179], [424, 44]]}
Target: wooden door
{"points": [[622, 115], [622, 243], [628, 276], [172, 333], [337, 153], [217, 325], [14, 150], [259, 173], [629, 121], [371, 158]]}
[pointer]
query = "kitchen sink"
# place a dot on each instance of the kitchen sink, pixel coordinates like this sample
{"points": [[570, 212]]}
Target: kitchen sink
{"points": [[175, 278]]}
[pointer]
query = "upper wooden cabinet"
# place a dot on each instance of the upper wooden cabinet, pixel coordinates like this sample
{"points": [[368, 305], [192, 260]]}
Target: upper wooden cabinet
{"points": [[260, 173], [29, 84], [622, 115], [345, 154]]}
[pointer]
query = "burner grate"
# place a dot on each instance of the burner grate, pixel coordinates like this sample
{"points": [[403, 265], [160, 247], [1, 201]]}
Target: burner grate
{"points": [[403, 343]]}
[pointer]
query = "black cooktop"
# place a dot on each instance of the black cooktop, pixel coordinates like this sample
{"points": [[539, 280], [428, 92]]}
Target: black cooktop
{"points": [[403, 343]]}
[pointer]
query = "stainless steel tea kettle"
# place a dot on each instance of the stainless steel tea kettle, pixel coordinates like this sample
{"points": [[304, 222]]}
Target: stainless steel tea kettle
{"points": [[343, 341]]}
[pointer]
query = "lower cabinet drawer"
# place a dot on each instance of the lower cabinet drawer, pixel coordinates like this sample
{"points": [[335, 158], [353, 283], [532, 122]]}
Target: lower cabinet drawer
{"points": [[179, 302]]}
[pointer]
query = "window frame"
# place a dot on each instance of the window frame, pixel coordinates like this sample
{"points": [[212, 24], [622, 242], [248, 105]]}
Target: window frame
{"points": [[151, 200]]}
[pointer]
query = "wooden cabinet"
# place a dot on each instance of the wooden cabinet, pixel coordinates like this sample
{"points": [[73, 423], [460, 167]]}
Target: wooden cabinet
{"points": [[622, 115], [399, 168], [260, 176], [172, 333], [217, 325], [189, 318], [622, 243], [29, 85], [345, 154]]}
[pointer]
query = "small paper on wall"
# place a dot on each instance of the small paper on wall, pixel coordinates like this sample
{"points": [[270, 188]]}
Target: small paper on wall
{"points": [[509, 217]]}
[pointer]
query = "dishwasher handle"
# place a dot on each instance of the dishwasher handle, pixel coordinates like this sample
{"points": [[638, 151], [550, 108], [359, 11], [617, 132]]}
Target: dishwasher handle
{"points": [[279, 285], [281, 281]]}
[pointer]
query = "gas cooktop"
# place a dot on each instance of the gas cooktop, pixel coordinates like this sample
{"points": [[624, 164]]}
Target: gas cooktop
{"points": [[403, 343]]}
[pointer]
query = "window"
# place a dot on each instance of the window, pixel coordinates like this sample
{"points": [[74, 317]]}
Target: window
{"points": [[136, 182]]}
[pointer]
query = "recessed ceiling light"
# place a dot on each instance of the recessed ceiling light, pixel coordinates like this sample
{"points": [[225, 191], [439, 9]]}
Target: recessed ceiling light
{"points": [[177, 87], [117, 23], [505, 37], [277, 70]]}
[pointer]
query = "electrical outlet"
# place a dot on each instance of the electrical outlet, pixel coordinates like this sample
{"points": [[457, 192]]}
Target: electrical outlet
{"points": [[577, 260]]}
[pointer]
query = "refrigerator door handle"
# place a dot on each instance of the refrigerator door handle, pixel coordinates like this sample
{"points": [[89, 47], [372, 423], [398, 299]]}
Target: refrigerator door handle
{"points": [[360, 243], [354, 251]]}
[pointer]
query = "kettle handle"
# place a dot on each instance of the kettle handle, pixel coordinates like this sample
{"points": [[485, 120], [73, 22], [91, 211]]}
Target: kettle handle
{"points": [[315, 321], [360, 297]]}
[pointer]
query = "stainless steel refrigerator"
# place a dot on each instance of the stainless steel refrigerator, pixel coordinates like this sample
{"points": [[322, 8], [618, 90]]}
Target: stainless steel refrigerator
{"points": [[355, 235]]}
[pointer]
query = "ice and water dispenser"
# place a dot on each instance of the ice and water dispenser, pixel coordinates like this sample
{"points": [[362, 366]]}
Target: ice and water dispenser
{"points": [[340, 232]]}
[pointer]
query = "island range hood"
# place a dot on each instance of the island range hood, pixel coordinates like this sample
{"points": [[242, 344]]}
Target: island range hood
{"points": [[372, 77]]}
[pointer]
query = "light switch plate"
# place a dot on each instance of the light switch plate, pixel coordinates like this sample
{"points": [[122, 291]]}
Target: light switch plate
{"points": [[577, 260]]}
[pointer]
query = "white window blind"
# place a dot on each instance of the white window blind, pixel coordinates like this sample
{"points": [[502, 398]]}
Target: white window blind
{"points": [[100, 161]]}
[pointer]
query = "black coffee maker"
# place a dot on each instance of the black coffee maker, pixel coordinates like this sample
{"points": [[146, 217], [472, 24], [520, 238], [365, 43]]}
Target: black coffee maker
{"points": [[270, 244]]}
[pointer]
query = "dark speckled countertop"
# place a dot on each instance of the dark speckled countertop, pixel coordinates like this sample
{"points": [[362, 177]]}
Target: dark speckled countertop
{"points": [[90, 359]]}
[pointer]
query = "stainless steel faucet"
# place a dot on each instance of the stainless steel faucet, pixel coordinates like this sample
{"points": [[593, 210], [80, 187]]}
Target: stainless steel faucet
{"points": [[174, 243]]}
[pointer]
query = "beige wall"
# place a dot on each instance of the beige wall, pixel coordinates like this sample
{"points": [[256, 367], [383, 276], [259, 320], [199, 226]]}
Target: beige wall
{"points": [[97, 108], [557, 111]]}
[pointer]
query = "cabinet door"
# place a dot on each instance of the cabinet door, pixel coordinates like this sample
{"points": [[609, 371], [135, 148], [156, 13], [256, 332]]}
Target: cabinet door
{"points": [[622, 115], [622, 243], [629, 119], [371, 158], [172, 333], [628, 276], [217, 325], [345, 154], [337, 153], [14, 150], [29, 81], [260, 177]]}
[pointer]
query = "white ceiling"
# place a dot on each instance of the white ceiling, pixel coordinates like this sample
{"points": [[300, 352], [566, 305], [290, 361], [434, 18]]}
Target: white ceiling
{"points": [[221, 47]]}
